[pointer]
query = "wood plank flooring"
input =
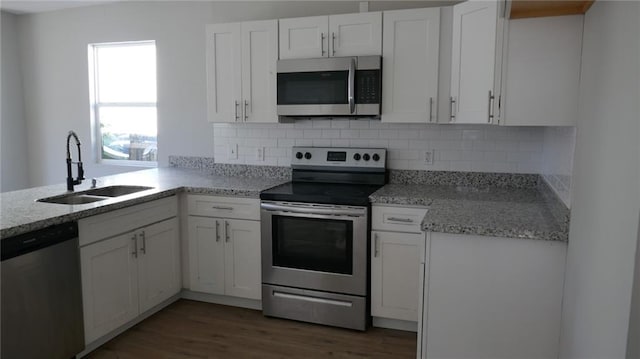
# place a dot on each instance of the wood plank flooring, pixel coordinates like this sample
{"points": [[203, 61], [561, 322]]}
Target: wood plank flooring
{"points": [[190, 329]]}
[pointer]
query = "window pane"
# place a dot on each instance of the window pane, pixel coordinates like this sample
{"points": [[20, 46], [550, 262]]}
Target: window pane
{"points": [[128, 133], [126, 73]]}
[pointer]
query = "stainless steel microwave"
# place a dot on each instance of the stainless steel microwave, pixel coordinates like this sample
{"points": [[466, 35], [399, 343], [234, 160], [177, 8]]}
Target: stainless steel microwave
{"points": [[334, 86]]}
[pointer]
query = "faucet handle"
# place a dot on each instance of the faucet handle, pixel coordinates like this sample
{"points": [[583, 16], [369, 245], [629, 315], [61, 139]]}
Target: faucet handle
{"points": [[80, 172], [94, 181]]}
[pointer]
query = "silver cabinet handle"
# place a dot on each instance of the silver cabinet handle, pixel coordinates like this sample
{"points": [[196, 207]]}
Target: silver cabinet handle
{"points": [[430, 109], [352, 85], [376, 245], [322, 44], [226, 231], [452, 100], [490, 114], [333, 43], [217, 231], [236, 109], [135, 245], [143, 249], [222, 208], [246, 103], [403, 220]]}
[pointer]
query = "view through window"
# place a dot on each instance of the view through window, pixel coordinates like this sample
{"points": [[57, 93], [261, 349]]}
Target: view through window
{"points": [[123, 99]]}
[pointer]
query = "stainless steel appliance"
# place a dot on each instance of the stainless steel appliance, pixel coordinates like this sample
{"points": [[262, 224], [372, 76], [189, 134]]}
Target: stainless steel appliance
{"points": [[315, 237], [335, 86], [42, 295]]}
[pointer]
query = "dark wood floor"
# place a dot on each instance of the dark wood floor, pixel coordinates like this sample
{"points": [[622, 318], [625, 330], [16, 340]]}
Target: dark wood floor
{"points": [[189, 329]]}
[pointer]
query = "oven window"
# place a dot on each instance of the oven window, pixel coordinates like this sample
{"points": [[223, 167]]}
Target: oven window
{"points": [[316, 244], [313, 88]]}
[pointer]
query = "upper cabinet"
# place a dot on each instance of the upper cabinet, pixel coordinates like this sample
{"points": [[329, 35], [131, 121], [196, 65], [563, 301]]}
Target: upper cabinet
{"points": [[542, 74], [476, 60], [410, 65], [328, 36], [241, 71]]}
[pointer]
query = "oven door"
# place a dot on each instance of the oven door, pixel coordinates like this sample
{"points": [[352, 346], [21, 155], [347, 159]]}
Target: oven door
{"points": [[316, 87], [315, 246]]}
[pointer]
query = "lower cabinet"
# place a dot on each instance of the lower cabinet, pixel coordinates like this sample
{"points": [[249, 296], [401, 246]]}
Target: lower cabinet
{"points": [[128, 274], [224, 246], [489, 297], [224, 256]]}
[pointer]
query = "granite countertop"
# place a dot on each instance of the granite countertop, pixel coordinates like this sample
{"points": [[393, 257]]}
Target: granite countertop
{"points": [[21, 213], [531, 213]]}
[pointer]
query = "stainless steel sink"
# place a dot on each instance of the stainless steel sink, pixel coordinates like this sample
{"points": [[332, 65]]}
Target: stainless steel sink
{"points": [[72, 198], [116, 191], [94, 195]]}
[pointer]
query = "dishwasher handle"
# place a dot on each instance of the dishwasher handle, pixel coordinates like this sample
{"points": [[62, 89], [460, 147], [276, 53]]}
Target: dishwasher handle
{"points": [[35, 240]]}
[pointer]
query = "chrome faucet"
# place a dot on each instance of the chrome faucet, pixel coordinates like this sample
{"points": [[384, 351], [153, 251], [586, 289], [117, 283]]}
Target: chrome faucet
{"points": [[70, 181]]}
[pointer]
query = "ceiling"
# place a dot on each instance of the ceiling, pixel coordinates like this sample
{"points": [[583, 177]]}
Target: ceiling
{"points": [[30, 6]]}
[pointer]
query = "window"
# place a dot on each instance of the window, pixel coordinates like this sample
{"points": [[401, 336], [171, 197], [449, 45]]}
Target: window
{"points": [[122, 82]]}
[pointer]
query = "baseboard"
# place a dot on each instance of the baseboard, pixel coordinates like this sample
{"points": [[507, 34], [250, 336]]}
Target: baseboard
{"points": [[222, 299], [397, 324], [107, 337]]}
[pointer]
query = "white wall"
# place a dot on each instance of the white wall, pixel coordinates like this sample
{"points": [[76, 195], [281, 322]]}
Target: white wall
{"points": [[557, 160], [455, 147], [54, 59], [13, 141], [606, 186]]}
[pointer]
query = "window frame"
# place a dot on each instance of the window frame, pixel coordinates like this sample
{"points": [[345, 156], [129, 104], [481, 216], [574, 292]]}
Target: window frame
{"points": [[96, 132]]}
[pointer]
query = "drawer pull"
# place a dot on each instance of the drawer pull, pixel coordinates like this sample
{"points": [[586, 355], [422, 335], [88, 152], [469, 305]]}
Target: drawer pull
{"points": [[143, 249], [222, 208], [217, 231], [226, 231], [403, 220], [134, 239], [376, 245]]}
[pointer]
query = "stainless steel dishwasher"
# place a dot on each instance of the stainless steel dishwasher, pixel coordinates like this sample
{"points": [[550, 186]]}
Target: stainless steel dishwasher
{"points": [[41, 294]]}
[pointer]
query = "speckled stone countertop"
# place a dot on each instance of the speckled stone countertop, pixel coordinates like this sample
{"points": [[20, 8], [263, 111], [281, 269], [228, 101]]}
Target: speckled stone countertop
{"points": [[21, 213], [529, 213]]}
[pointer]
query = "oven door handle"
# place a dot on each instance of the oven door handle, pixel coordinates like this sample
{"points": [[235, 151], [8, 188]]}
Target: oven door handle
{"points": [[304, 210]]}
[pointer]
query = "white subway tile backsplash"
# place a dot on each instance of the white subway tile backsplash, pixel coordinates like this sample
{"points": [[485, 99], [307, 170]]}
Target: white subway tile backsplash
{"points": [[457, 147]]}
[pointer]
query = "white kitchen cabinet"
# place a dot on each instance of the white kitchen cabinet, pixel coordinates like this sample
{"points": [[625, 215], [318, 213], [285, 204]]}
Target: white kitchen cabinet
{"points": [[357, 34], [488, 297], [241, 71], [130, 262], [395, 259], [542, 75], [396, 255], [410, 61], [476, 61], [224, 253]]}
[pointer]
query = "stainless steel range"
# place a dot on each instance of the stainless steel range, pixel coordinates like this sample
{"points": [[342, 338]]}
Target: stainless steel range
{"points": [[315, 237]]}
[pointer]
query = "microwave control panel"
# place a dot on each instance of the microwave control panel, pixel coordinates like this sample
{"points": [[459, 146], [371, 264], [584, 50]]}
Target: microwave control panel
{"points": [[368, 86]]}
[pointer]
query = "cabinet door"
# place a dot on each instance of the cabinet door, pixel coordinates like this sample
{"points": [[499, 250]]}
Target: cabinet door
{"points": [[304, 37], [493, 297], [410, 62], [109, 284], [395, 272], [355, 34], [224, 91], [473, 60], [259, 58], [206, 254], [242, 259], [158, 263]]}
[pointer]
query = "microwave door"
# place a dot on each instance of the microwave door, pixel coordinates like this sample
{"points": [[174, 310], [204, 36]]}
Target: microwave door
{"points": [[316, 87]]}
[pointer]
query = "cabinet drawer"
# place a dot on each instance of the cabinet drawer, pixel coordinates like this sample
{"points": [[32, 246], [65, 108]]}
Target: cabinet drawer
{"points": [[399, 219], [226, 207], [123, 220]]}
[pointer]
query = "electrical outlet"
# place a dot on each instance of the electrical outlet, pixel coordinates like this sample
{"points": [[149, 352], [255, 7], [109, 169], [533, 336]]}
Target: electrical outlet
{"points": [[260, 154], [233, 152], [428, 157]]}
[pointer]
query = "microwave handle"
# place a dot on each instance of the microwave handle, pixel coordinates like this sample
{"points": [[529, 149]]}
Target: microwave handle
{"points": [[352, 86]]}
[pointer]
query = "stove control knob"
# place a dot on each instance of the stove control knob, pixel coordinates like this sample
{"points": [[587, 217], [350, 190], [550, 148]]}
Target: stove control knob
{"points": [[299, 155], [307, 155], [356, 157], [366, 157], [376, 157]]}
